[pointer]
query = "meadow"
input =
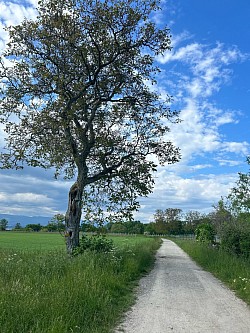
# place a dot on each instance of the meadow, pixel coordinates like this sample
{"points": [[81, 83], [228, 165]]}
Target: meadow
{"points": [[44, 290], [233, 270]]}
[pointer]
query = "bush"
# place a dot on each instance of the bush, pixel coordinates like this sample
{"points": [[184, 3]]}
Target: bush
{"points": [[235, 238], [205, 233], [96, 243]]}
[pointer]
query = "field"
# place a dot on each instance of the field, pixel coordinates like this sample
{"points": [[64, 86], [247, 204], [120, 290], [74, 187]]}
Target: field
{"points": [[232, 270], [43, 290]]}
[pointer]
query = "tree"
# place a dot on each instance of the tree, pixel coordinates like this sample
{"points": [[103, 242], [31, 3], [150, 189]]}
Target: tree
{"points": [[205, 233], [193, 217], [3, 224], [168, 221], [57, 223], [134, 227], [172, 214], [221, 216], [33, 227], [240, 194], [18, 226], [150, 228], [75, 97], [160, 222], [119, 228]]}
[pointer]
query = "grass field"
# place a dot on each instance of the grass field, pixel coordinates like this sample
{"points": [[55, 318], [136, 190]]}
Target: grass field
{"points": [[42, 290], [31, 241], [233, 271]]}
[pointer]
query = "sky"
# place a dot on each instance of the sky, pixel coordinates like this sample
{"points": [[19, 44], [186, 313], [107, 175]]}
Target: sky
{"points": [[207, 73]]}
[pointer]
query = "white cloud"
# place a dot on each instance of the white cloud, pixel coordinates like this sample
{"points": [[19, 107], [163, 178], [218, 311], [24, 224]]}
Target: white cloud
{"points": [[225, 162], [204, 71], [12, 13], [25, 198], [236, 147], [186, 193]]}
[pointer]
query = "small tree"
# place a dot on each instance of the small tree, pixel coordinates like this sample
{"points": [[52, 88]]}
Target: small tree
{"points": [[240, 194], [118, 228], [192, 219], [205, 233], [75, 97], [33, 227], [17, 226], [57, 223], [221, 216], [3, 224]]}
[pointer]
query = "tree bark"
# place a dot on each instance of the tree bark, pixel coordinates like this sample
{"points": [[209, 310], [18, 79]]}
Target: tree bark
{"points": [[73, 217]]}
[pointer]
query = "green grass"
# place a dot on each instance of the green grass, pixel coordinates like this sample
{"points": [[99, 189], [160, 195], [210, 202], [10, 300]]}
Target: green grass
{"points": [[233, 271], [31, 240], [48, 292]]}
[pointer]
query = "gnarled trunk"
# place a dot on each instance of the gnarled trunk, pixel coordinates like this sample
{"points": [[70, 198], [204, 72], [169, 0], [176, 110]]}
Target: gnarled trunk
{"points": [[73, 217]]}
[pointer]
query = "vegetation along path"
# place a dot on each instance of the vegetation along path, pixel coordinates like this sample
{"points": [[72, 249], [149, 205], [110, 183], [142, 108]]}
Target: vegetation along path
{"points": [[178, 296]]}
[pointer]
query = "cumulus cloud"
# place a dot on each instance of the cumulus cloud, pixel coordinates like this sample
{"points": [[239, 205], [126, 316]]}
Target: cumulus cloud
{"points": [[12, 13], [205, 69], [173, 191]]}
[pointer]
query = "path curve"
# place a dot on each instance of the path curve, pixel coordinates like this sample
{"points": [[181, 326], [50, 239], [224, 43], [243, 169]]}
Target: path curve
{"points": [[178, 296]]}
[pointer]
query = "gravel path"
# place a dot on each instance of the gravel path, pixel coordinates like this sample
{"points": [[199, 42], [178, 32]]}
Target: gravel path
{"points": [[178, 296]]}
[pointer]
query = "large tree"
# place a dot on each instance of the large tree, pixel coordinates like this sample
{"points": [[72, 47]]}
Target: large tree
{"points": [[76, 96]]}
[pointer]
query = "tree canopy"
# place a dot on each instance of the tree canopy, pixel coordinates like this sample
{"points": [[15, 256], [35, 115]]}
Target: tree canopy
{"points": [[240, 194], [77, 95]]}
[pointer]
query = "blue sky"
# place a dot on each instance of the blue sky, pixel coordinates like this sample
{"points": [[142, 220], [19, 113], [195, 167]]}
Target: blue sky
{"points": [[207, 73]]}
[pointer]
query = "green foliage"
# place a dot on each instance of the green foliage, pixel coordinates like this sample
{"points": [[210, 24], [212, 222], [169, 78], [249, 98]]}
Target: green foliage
{"points": [[57, 223], [240, 193], [118, 228], [150, 228], [235, 238], [18, 226], [205, 233], [3, 224], [33, 227], [95, 243], [166, 222], [88, 227], [50, 292]]}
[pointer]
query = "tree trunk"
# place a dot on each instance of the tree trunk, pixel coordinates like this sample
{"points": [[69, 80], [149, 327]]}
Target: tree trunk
{"points": [[73, 217]]}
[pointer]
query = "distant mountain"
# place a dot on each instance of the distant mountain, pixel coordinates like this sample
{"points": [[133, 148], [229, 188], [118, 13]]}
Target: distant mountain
{"points": [[24, 220]]}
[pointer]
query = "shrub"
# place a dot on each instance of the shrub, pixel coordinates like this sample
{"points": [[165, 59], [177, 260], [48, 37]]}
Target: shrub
{"points": [[235, 238], [205, 233], [95, 243]]}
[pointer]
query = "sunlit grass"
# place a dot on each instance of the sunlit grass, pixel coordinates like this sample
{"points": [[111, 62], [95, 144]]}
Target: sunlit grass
{"points": [[31, 240], [47, 291]]}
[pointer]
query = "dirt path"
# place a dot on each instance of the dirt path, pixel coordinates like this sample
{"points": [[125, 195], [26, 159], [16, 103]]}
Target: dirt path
{"points": [[178, 296]]}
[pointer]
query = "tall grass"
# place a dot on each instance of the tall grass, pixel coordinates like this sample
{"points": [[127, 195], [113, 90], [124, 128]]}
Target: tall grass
{"points": [[232, 270], [50, 292]]}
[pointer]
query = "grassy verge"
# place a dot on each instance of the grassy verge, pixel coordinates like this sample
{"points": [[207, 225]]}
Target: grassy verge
{"points": [[232, 270], [46, 291]]}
